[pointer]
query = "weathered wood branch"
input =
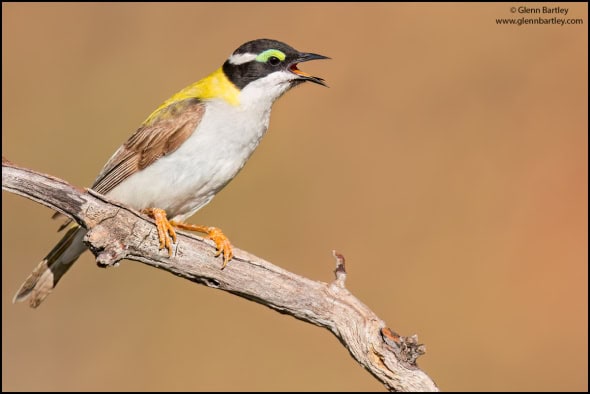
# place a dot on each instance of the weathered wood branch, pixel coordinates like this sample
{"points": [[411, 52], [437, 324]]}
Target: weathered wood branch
{"points": [[117, 232]]}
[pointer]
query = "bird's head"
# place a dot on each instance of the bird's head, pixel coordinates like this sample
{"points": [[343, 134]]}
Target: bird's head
{"points": [[268, 65]]}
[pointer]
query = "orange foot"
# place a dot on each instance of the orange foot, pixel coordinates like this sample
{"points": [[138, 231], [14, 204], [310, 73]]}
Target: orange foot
{"points": [[215, 234], [166, 232], [165, 229]]}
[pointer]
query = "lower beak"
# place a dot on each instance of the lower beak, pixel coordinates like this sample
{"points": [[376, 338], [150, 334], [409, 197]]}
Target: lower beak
{"points": [[305, 57]]}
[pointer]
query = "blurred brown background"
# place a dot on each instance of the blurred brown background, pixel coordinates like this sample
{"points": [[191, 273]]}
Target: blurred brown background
{"points": [[447, 161]]}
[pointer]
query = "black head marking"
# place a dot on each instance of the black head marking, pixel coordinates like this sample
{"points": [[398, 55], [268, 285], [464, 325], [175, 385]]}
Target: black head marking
{"points": [[243, 73]]}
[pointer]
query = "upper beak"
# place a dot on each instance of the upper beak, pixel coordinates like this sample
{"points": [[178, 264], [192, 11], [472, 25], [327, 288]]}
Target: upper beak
{"points": [[305, 57]]}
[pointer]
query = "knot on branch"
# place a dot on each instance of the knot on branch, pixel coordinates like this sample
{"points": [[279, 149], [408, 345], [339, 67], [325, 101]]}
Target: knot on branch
{"points": [[406, 348], [108, 251]]}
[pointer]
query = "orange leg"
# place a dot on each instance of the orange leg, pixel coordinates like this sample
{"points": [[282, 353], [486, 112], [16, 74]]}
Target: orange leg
{"points": [[222, 242], [165, 229], [166, 232]]}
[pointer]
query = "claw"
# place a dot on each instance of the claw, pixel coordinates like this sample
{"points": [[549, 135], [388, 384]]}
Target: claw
{"points": [[165, 229], [222, 243]]}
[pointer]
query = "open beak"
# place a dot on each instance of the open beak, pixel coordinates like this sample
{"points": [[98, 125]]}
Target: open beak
{"points": [[305, 57]]}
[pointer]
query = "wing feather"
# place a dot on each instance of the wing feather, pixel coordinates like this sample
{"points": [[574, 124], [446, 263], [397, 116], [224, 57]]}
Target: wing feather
{"points": [[162, 135]]}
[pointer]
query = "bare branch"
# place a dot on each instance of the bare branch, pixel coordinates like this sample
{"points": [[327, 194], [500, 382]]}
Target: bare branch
{"points": [[117, 232]]}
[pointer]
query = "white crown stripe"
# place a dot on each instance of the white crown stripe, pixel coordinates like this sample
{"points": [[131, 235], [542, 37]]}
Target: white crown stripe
{"points": [[241, 58]]}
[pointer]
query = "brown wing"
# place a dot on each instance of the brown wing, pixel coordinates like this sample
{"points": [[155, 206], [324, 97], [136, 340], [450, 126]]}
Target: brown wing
{"points": [[165, 131], [161, 136]]}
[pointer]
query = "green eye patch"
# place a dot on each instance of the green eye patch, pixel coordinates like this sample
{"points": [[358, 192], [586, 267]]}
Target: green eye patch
{"points": [[264, 56]]}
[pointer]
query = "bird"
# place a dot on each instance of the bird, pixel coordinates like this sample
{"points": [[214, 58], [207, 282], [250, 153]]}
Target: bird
{"points": [[185, 152]]}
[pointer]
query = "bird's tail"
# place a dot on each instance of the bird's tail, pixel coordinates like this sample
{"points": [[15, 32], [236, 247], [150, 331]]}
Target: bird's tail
{"points": [[49, 271]]}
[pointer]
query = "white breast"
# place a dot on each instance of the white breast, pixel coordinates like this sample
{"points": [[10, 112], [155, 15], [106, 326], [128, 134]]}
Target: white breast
{"points": [[188, 178]]}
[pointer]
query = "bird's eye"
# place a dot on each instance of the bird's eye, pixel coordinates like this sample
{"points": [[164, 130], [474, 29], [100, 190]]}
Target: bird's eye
{"points": [[274, 61]]}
